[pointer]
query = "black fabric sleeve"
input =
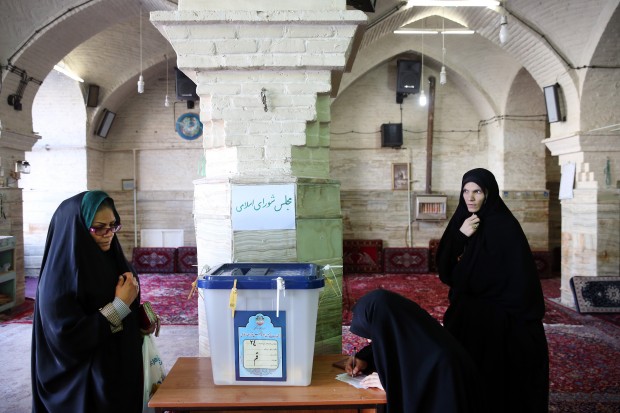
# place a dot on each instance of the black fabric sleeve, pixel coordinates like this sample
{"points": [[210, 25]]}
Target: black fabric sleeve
{"points": [[366, 355], [448, 253]]}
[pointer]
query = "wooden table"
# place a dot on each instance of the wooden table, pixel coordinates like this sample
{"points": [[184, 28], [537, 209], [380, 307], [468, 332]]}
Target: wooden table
{"points": [[189, 387]]}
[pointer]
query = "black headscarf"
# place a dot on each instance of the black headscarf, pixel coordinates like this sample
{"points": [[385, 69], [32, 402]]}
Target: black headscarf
{"points": [[78, 364], [496, 262], [496, 301], [421, 366]]}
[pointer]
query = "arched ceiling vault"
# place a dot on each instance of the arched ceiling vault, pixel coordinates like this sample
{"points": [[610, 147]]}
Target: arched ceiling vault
{"points": [[553, 40]]}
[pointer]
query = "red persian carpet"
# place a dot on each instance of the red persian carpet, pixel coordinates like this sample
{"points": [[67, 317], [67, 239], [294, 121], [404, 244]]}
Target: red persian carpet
{"points": [[584, 350], [167, 293]]}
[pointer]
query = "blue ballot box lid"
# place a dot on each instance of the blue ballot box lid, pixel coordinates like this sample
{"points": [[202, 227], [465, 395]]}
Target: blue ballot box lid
{"points": [[262, 276]]}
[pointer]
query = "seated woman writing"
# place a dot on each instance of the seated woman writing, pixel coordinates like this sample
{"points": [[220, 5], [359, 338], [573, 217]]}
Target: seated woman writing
{"points": [[421, 367]]}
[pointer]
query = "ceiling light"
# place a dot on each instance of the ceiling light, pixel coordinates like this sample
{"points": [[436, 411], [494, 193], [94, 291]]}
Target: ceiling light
{"points": [[141, 78], [422, 98], [166, 100], [140, 84], [504, 35], [68, 73], [442, 74], [434, 31], [416, 31], [454, 3]]}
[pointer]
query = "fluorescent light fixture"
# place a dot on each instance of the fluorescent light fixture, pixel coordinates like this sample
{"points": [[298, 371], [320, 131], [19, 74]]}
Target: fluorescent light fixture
{"points": [[454, 3], [416, 31], [68, 73], [434, 31]]}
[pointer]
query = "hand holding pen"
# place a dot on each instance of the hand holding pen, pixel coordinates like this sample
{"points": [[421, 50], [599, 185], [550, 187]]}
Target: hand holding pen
{"points": [[355, 366], [353, 361]]}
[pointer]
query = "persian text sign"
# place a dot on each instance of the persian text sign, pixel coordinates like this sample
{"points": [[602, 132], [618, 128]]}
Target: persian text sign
{"points": [[263, 207]]}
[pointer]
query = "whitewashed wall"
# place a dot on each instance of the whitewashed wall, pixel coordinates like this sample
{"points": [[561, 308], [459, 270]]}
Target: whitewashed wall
{"points": [[142, 139], [461, 141]]}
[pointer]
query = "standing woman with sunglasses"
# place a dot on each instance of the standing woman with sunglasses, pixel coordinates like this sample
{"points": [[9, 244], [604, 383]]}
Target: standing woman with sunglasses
{"points": [[87, 344]]}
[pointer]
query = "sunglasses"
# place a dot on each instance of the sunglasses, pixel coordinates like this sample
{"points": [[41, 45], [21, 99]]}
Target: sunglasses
{"points": [[105, 230]]}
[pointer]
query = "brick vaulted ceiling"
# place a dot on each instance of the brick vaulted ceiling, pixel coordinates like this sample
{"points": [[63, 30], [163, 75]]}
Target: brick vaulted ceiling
{"points": [[99, 40]]}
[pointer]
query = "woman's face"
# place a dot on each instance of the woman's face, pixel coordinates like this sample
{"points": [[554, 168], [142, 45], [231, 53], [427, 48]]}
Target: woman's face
{"points": [[473, 196], [104, 218]]}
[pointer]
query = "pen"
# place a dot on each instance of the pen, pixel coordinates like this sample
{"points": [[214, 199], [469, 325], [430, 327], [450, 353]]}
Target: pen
{"points": [[353, 360]]}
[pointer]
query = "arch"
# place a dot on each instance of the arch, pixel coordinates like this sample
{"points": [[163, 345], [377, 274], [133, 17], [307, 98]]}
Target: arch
{"points": [[53, 41], [539, 57]]}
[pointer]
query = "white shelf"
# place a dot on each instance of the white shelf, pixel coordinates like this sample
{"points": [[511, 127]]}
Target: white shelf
{"points": [[7, 271]]}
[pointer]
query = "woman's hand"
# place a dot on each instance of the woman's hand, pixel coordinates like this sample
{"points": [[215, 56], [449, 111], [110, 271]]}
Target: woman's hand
{"points": [[372, 380], [355, 366], [154, 328], [470, 225], [127, 288]]}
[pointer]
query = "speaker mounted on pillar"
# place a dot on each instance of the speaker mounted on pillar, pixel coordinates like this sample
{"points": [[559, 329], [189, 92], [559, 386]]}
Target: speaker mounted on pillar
{"points": [[106, 123], [363, 5], [92, 96], [408, 77], [185, 87]]}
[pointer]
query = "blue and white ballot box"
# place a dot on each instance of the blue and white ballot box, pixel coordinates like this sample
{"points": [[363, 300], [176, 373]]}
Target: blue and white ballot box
{"points": [[261, 322]]}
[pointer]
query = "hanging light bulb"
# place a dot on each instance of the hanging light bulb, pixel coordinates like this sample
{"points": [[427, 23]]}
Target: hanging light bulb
{"points": [[141, 78], [442, 74], [504, 35], [141, 84], [423, 100], [166, 100]]}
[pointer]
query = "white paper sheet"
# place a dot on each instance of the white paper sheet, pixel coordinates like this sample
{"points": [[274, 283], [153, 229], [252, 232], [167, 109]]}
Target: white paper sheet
{"points": [[567, 181], [353, 381]]}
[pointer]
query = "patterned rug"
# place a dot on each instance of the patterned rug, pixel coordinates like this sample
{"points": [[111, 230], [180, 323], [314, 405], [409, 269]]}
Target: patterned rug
{"points": [[543, 263], [187, 260], [19, 314], [596, 294], [584, 350], [362, 256], [425, 289], [149, 260], [166, 292], [168, 296], [405, 260]]}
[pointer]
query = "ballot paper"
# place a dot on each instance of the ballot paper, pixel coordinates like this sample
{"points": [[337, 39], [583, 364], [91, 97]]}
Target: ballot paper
{"points": [[355, 381]]}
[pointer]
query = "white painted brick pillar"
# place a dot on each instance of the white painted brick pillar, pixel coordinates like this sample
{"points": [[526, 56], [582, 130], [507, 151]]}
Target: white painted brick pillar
{"points": [[590, 226], [265, 71]]}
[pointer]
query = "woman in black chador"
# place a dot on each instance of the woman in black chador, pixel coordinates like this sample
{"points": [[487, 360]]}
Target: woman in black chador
{"points": [[422, 368], [496, 301], [87, 344]]}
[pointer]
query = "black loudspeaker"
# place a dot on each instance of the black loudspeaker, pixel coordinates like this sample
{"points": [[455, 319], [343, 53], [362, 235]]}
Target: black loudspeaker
{"points": [[363, 5], [92, 98], [392, 135], [186, 88], [552, 102], [408, 78], [106, 123]]}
